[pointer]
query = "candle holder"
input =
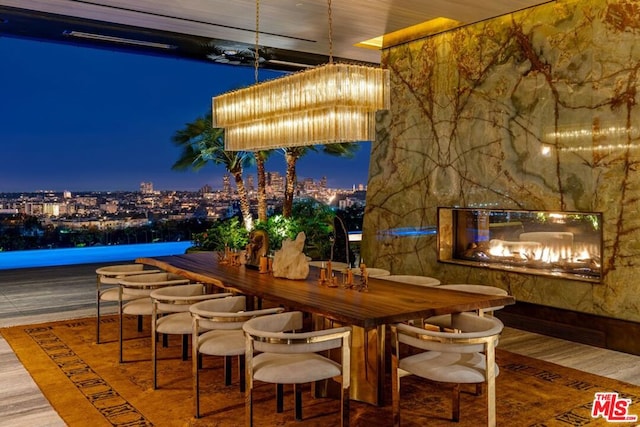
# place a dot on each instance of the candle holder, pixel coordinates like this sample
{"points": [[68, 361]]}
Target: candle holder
{"points": [[347, 278], [264, 265], [322, 279], [364, 279]]}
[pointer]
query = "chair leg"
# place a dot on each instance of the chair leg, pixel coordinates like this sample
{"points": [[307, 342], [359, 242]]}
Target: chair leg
{"points": [[185, 347], [344, 407], [241, 368], [248, 407], [279, 398], [227, 370], [98, 316], [395, 391], [120, 332], [297, 391], [139, 323], [196, 365], [455, 403], [154, 353], [196, 382]]}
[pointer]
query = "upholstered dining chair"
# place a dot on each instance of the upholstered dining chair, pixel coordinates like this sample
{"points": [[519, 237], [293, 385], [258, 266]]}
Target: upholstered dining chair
{"points": [[135, 296], [107, 280], [478, 289], [170, 316], [464, 355], [412, 279], [222, 319], [373, 272], [289, 357], [335, 265], [443, 321]]}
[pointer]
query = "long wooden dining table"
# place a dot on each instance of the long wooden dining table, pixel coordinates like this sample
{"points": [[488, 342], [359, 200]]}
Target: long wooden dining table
{"points": [[385, 302]]}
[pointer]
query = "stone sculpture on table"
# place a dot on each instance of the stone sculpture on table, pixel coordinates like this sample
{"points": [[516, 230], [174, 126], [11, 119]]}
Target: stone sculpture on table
{"points": [[290, 262]]}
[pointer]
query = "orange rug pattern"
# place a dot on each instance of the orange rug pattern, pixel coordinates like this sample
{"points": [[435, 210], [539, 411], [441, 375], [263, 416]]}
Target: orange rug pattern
{"points": [[87, 385]]}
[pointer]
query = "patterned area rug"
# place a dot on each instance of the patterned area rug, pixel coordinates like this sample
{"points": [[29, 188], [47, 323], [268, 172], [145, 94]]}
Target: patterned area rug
{"points": [[87, 386]]}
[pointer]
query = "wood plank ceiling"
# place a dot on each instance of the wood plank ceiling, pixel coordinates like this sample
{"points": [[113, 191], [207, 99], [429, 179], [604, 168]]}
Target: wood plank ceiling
{"points": [[290, 30]]}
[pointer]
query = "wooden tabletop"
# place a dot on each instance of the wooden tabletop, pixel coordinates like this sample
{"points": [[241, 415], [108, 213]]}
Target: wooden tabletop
{"points": [[386, 302]]}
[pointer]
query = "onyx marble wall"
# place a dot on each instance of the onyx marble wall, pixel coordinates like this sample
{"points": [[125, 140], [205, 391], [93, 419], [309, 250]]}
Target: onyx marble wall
{"points": [[534, 110]]}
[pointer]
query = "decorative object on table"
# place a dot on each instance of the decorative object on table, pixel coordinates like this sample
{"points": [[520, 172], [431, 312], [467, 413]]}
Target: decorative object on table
{"points": [[223, 256], [256, 249], [347, 278], [238, 258], [364, 278], [290, 262], [322, 279]]}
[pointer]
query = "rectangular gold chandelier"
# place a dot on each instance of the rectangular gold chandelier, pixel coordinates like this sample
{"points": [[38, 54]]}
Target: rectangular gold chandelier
{"points": [[329, 104]]}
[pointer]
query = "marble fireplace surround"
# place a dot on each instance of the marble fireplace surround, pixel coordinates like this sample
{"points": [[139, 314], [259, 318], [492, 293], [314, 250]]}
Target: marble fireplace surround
{"points": [[534, 110]]}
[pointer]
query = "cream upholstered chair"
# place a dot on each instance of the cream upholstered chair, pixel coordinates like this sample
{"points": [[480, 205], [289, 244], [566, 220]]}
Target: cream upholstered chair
{"points": [[222, 319], [134, 296], [170, 315], [287, 357], [442, 321], [335, 265], [412, 280], [478, 289], [465, 355], [107, 279], [373, 272]]}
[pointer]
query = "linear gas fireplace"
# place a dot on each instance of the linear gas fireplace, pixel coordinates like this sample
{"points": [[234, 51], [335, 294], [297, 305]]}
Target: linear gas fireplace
{"points": [[559, 244]]}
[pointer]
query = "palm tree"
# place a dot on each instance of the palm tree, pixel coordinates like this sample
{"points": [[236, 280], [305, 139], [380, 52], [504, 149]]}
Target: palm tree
{"points": [[292, 154], [261, 158], [202, 143]]}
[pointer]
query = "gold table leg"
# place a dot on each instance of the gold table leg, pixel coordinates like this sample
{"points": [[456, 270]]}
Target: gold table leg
{"points": [[368, 352]]}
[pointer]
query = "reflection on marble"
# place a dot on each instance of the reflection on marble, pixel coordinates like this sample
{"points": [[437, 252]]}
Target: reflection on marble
{"points": [[534, 110]]}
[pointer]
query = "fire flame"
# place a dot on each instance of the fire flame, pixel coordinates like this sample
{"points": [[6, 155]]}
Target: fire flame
{"points": [[538, 252]]}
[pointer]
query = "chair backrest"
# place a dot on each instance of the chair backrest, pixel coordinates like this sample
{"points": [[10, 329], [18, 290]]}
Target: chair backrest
{"points": [[267, 334], [226, 313], [119, 269], [373, 272], [478, 289], [335, 265], [144, 284], [412, 280], [111, 274], [475, 334], [176, 299]]}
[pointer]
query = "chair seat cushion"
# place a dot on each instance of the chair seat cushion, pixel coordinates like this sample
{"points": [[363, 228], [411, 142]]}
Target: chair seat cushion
{"points": [[300, 368], [175, 323], [222, 343], [447, 367], [140, 306]]}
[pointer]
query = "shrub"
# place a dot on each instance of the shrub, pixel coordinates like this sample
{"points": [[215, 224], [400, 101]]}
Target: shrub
{"points": [[229, 232]]}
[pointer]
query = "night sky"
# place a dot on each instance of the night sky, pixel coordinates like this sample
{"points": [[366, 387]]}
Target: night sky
{"points": [[82, 119]]}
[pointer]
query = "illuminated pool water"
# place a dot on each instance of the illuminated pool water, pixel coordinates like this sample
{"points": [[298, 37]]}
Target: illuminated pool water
{"points": [[88, 255]]}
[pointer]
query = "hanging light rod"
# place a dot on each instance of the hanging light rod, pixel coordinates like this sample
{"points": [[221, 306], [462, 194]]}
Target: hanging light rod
{"points": [[119, 40]]}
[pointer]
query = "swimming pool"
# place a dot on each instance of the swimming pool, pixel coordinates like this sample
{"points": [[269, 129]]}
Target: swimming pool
{"points": [[88, 255]]}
